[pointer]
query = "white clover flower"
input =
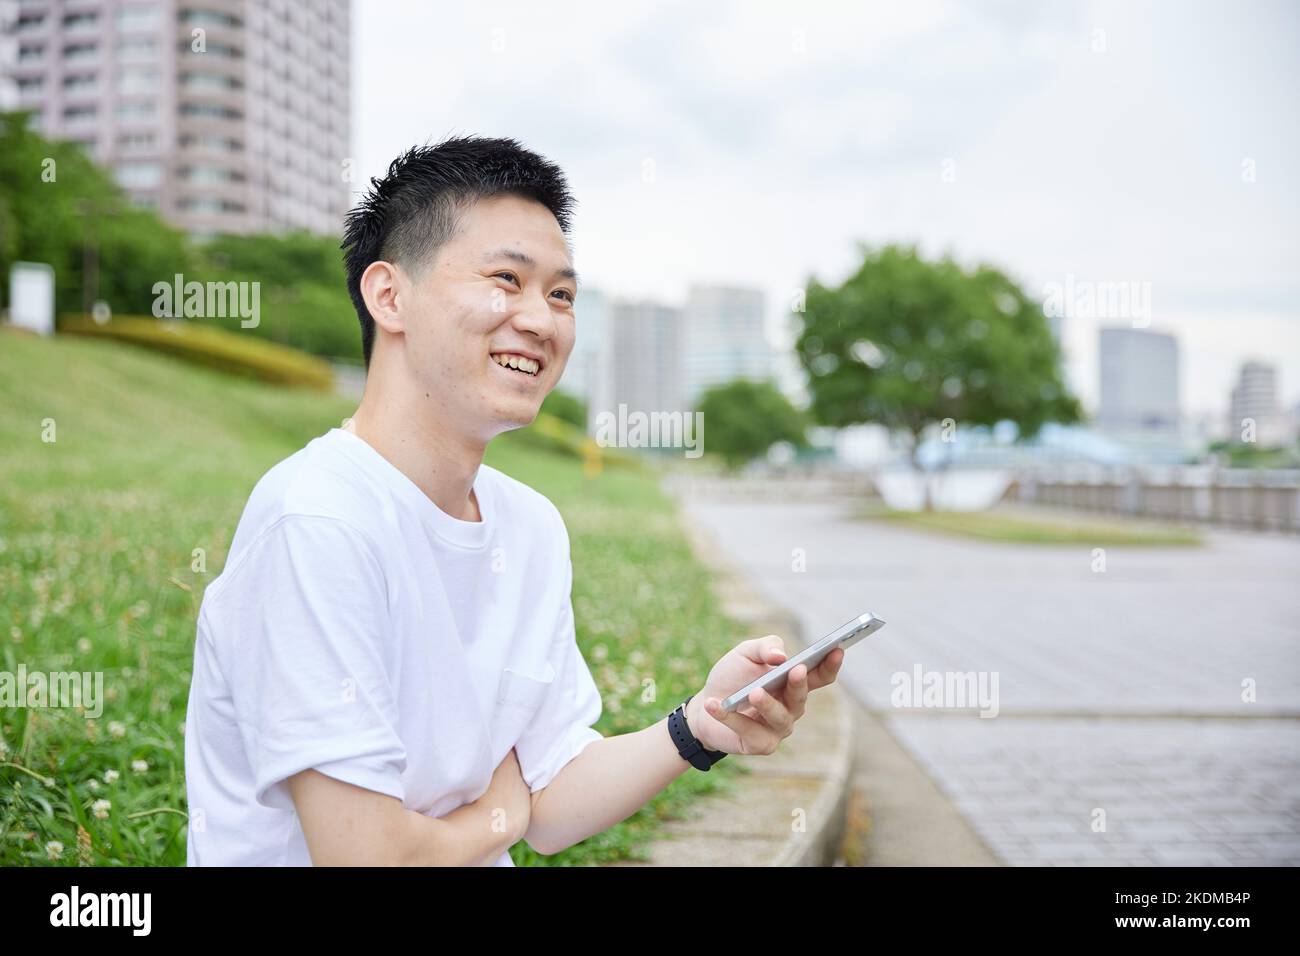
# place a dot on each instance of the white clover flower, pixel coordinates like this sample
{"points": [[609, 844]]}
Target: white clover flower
{"points": [[84, 645], [54, 849], [117, 728], [140, 766], [100, 808], [92, 783], [111, 775]]}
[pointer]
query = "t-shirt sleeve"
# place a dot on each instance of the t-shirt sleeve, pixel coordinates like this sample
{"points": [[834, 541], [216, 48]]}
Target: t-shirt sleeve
{"points": [[304, 620], [562, 726]]}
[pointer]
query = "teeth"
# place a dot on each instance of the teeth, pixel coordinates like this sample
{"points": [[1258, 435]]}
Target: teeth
{"points": [[518, 362]]}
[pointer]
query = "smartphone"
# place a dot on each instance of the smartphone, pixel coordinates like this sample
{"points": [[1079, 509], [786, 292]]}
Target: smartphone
{"points": [[845, 637]]}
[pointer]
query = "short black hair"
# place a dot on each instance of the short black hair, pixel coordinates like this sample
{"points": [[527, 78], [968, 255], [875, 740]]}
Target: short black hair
{"points": [[417, 206]]}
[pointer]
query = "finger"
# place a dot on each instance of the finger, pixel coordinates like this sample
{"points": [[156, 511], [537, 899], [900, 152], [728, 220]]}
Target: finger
{"points": [[769, 649], [772, 711], [796, 690], [755, 738], [825, 672]]}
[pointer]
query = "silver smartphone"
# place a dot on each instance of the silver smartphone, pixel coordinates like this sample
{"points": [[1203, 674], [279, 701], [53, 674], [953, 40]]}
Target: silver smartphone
{"points": [[845, 637]]}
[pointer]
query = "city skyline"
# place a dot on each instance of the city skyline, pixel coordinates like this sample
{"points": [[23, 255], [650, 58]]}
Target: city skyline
{"points": [[1082, 140]]}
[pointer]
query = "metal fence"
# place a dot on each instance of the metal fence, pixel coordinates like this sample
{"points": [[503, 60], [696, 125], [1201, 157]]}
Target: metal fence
{"points": [[1244, 498]]}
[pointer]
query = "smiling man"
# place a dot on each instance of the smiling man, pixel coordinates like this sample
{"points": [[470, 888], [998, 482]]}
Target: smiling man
{"points": [[386, 670]]}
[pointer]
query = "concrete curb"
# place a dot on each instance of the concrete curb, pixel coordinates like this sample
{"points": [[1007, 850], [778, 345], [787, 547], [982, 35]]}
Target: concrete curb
{"points": [[808, 780]]}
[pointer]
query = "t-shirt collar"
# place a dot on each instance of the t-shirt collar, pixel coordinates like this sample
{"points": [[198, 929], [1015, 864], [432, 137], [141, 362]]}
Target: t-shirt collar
{"points": [[465, 534]]}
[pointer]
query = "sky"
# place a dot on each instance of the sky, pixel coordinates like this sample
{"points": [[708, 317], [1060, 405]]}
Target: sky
{"points": [[1068, 144]]}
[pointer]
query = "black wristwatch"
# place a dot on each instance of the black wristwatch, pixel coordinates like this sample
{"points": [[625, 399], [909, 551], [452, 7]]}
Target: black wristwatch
{"points": [[688, 745]]}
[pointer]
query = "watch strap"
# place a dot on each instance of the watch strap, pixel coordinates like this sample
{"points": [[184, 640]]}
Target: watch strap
{"points": [[688, 745]]}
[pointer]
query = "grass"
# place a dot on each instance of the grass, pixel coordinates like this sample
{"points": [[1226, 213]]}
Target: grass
{"points": [[1039, 529], [110, 533]]}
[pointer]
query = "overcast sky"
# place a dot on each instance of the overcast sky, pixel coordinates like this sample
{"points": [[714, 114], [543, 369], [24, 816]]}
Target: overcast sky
{"points": [[756, 144]]}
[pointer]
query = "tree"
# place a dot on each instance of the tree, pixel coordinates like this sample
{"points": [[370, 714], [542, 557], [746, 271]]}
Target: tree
{"points": [[58, 207], [566, 407], [909, 344], [744, 419]]}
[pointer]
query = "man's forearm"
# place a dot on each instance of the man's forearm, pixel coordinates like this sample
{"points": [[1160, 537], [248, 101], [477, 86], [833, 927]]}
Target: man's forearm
{"points": [[463, 837], [606, 783]]}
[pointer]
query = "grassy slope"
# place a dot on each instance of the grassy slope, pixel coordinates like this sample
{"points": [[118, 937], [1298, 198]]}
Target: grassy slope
{"points": [[154, 459]]}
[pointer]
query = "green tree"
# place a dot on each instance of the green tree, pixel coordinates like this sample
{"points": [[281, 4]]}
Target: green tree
{"points": [[303, 294], [566, 407], [744, 419], [909, 343], [58, 207]]}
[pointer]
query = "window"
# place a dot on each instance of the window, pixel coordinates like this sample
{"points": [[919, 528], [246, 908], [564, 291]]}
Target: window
{"points": [[142, 109], [74, 20], [76, 113], [135, 79], [137, 46], [79, 82], [132, 142], [137, 16], [79, 51], [138, 175], [30, 54], [29, 84]]}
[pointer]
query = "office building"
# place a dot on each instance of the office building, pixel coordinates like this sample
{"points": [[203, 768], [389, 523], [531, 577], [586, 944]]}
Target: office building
{"points": [[1139, 382], [724, 339]]}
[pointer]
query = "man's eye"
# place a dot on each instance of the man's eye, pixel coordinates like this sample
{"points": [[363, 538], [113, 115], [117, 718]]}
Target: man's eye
{"points": [[568, 296], [508, 275]]}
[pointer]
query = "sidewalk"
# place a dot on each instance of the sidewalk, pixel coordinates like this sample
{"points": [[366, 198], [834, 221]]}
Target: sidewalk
{"points": [[840, 791]]}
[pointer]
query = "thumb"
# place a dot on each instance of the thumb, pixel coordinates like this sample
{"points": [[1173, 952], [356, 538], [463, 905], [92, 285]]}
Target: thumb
{"points": [[764, 650]]}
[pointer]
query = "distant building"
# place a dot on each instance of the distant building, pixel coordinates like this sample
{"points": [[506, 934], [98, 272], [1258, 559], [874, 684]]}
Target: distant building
{"points": [[589, 374], [724, 339], [1255, 408], [227, 116], [646, 344], [1139, 382]]}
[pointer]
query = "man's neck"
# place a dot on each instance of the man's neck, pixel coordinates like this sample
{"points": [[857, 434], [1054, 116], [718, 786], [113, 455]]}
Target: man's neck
{"points": [[440, 463]]}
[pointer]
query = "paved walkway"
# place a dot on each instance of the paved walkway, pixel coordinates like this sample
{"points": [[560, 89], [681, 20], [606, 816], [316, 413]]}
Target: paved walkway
{"points": [[1118, 691]]}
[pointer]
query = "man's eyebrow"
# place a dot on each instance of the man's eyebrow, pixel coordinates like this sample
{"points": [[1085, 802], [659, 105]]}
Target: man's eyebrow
{"points": [[524, 259]]}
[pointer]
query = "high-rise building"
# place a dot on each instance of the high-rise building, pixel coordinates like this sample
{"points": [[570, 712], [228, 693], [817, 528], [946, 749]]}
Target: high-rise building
{"points": [[1255, 410], [227, 116], [589, 373], [1139, 382], [724, 339], [646, 344]]}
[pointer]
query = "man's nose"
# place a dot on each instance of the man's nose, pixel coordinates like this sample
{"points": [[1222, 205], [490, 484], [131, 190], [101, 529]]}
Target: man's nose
{"points": [[534, 315]]}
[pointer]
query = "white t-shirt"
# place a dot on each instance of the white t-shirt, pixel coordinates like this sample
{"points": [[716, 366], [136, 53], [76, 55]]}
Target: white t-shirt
{"points": [[360, 630]]}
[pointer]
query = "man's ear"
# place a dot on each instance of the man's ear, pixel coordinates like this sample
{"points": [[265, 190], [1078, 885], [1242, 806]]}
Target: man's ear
{"points": [[381, 286]]}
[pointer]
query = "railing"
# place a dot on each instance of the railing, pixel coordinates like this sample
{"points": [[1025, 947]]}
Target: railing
{"points": [[1244, 498]]}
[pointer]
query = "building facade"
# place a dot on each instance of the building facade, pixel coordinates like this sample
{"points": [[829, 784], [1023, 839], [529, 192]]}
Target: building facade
{"points": [[1139, 381], [724, 339], [227, 116]]}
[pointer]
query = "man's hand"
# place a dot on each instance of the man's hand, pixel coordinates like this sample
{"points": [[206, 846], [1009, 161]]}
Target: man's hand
{"points": [[760, 724]]}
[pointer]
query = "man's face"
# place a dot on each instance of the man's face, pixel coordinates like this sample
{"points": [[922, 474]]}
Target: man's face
{"points": [[502, 288]]}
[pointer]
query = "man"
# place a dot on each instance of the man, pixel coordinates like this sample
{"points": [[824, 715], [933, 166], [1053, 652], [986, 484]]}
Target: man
{"points": [[386, 670]]}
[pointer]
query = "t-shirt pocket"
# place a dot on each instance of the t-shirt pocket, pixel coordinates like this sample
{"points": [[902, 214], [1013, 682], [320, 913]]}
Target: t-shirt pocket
{"points": [[519, 696]]}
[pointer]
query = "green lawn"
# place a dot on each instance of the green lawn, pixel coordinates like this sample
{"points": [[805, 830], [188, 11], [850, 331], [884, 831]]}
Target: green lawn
{"points": [[153, 459], [1040, 529]]}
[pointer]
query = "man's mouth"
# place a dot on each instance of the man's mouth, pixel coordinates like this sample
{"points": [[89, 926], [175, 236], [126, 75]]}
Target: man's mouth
{"points": [[518, 363]]}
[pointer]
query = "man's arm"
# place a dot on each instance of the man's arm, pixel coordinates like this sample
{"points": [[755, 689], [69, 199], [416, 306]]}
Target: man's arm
{"points": [[612, 778], [346, 825], [607, 782]]}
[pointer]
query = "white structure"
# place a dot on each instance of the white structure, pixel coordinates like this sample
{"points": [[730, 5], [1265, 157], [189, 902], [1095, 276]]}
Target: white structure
{"points": [[1139, 382], [31, 297], [1255, 409], [724, 339], [225, 115]]}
